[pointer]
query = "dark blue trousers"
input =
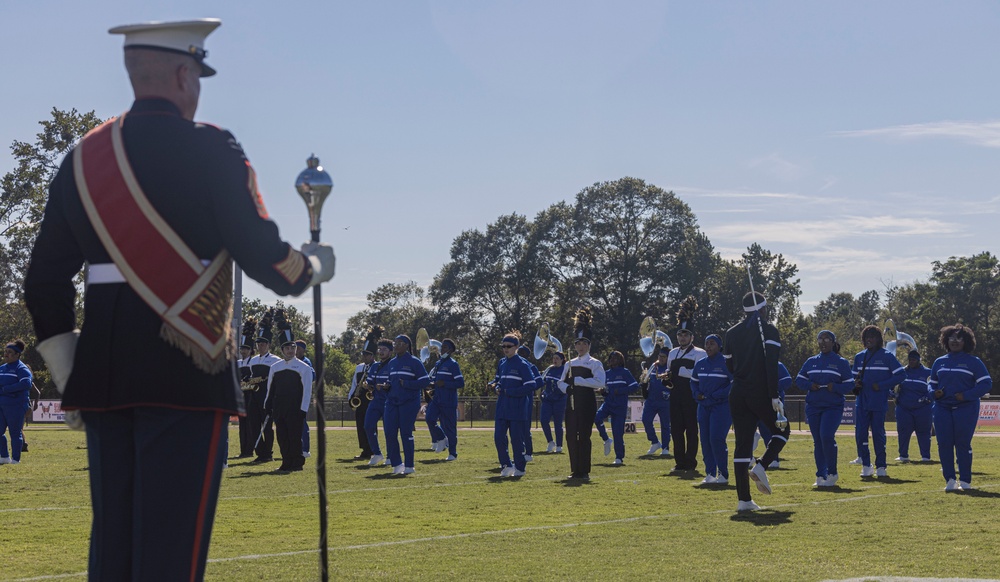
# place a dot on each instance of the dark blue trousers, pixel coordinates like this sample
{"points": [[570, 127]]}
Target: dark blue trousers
{"points": [[447, 415], [554, 411], [12, 419], [954, 427], [617, 414], [651, 410], [398, 423], [375, 412], [875, 420], [154, 483], [909, 421], [823, 424]]}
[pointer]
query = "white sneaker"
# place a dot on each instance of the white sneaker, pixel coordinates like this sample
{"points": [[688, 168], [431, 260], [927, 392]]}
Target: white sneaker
{"points": [[952, 485], [880, 472], [965, 486], [720, 480], [618, 462], [709, 480], [607, 446], [925, 459], [409, 471], [517, 473], [747, 506], [398, 469], [387, 463], [435, 446], [14, 462], [867, 471], [759, 476], [903, 459], [856, 461], [443, 445], [774, 465], [376, 460], [528, 458], [558, 449], [306, 454], [821, 482], [756, 441], [664, 453], [451, 458], [551, 448], [6, 461], [831, 480], [653, 448], [508, 471]]}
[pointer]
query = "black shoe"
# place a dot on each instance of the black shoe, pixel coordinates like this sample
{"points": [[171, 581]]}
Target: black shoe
{"points": [[363, 457], [259, 460], [24, 447], [295, 469]]}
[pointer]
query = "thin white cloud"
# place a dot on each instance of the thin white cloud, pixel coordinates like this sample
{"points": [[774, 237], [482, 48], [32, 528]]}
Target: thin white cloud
{"points": [[981, 133], [777, 166], [837, 263], [821, 232], [739, 194]]}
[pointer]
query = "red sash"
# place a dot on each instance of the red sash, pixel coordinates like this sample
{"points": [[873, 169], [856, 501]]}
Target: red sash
{"points": [[193, 300]]}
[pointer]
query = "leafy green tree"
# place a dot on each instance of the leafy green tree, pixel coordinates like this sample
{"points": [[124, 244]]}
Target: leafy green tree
{"points": [[23, 194]]}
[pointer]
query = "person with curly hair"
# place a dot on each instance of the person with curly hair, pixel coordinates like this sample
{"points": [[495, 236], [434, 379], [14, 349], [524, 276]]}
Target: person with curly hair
{"points": [[15, 391], [959, 380]]}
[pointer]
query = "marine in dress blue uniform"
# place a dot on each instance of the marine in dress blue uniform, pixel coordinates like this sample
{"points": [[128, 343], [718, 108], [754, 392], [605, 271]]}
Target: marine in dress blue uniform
{"points": [[164, 429], [826, 378]]}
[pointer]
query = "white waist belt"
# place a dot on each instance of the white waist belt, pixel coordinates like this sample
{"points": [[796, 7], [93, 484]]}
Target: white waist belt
{"points": [[105, 273]]}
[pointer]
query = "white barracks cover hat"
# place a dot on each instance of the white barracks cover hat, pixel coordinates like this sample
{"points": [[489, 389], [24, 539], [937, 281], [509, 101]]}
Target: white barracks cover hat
{"points": [[186, 37]]}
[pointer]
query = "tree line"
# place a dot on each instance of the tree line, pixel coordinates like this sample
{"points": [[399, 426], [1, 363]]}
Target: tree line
{"points": [[624, 248]]}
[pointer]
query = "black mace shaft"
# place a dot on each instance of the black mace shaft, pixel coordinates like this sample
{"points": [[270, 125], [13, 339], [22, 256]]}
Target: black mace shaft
{"points": [[320, 427]]}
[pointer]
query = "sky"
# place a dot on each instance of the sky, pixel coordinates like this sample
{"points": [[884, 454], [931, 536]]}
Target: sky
{"points": [[858, 139]]}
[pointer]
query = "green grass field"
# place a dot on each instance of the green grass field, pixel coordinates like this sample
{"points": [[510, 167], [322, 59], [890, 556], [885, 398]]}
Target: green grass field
{"points": [[460, 520]]}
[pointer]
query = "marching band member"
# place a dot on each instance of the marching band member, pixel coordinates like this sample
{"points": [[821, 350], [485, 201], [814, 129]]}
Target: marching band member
{"points": [[15, 390], [177, 198], [784, 383], [959, 380], [657, 403], [261, 430], [619, 382], [752, 348], [581, 378], [711, 383], [358, 388], [553, 403], [514, 384], [914, 409], [826, 378], [529, 446], [243, 364], [300, 353], [876, 371], [446, 379], [378, 379], [289, 389], [683, 409], [407, 380]]}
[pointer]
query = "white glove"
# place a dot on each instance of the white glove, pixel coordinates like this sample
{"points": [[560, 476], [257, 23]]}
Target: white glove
{"points": [[74, 420], [778, 407], [323, 262], [58, 352]]}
